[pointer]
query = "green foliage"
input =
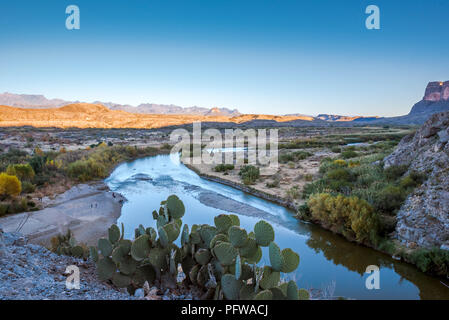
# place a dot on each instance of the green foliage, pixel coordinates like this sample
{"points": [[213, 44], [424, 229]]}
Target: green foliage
{"points": [[249, 174], [434, 261], [336, 149], [393, 173], [28, 187], [294, 156], [65, 244], [355, 215], [223, 167], [217, 259], [347, 154], [24, 172], [9, 185]]}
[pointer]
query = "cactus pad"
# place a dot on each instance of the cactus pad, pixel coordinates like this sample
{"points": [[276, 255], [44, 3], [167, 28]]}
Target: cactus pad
{"points": [[276, 258], [237, 236], [290, 260], [223, 222], [175, 207], [292, 291], [105, 247], [202, 256], [105, 268], [141, 247], [264, 233], [114, 233], [230, 286], [264, 295], [225, 252]]}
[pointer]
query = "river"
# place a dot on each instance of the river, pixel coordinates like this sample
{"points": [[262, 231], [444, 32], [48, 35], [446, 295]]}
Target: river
{"points": [[327, 261]]}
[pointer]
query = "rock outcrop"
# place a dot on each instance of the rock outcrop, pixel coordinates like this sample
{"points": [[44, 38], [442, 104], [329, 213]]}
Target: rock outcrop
{"points": [[423, 219]]}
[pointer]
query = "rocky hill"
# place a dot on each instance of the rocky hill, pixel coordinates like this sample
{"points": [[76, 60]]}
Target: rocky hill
{"points": [[86, 115], [423, 220]]}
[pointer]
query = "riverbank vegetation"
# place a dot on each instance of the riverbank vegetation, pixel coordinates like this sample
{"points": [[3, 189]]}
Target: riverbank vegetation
{"points": [[26, 178]]}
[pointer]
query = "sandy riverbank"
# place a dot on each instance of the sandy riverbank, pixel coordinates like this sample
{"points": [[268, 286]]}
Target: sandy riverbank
{"points": [[288, 177], [86, 209]]}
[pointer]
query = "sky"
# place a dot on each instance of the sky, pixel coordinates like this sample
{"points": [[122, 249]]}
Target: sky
{"points": [[259, 56]]}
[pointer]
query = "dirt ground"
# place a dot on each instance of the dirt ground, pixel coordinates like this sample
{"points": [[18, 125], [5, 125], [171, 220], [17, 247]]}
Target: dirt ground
{"points": [[289, 175], [86, 209]]}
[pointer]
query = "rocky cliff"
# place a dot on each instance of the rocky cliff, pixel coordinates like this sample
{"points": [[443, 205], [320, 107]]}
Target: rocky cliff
{"points": [[423, 220]]}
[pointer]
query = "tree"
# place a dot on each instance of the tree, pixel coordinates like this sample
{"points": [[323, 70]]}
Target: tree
{"points": [[22, 171], [9, 185]]}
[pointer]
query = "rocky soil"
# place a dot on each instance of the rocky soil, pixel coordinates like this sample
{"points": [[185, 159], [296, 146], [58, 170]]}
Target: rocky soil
{"points": [[423, 220], [31, 272]]}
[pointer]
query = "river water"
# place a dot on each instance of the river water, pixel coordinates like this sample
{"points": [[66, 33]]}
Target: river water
{"points": [[327, 261]]}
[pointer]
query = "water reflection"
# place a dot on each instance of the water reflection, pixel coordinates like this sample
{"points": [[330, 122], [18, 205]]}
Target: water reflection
{"points": [[324, 257]]}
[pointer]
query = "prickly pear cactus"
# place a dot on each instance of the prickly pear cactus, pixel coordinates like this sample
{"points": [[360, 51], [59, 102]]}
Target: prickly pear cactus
{"points": [[221, 259]]}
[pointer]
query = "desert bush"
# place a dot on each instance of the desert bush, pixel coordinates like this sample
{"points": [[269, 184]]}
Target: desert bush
{"points": [[28, 187], [347, 154], [273, 184], [223, 167], [9, 185], [294, 156], [24, 172], [336, 149], [303, 212], [350, 213], [434, 261], [340, 163], [340, 174], [249, 174], [390, 199], [393, 173], [293, 193], [85, 170]]}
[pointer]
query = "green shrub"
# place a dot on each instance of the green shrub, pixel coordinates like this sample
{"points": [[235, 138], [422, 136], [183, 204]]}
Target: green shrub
{"points": [[294, 156], [352, 214], [28, 187], [249, 174], [22, 171], [336, 149], [9, 185], [390, 199], [347, 154], [393, 173], [293, 193], [434, 261], [340, 174], [303, 212], [274, 184], [85, 170], [223, 167]]}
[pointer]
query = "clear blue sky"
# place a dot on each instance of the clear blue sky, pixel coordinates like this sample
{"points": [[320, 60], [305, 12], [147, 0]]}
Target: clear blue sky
{"points": [[260, 56]]}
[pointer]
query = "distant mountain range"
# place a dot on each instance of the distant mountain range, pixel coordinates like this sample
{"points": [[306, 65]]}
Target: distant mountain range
{"points": [[33, 101], [436, 99]]}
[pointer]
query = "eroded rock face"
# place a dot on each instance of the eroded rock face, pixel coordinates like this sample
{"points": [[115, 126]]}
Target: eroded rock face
{"points": [[424, 217], [437, 91]]}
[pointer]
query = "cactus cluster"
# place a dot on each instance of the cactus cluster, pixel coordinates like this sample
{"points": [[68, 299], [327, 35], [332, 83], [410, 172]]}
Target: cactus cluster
{"points": [[221, 259], [65, 244]]}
